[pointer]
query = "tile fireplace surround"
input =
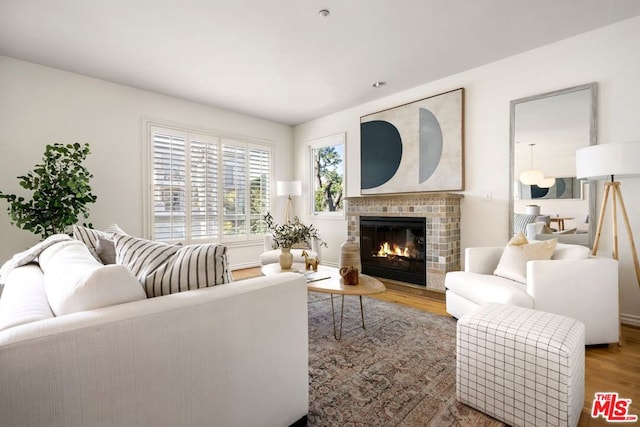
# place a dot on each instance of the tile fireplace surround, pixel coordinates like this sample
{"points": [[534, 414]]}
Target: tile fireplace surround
{"points": [[442, 213]]}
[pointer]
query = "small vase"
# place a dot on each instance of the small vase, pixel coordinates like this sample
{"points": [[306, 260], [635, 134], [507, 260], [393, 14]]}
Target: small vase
{"points": [[285, 258]]}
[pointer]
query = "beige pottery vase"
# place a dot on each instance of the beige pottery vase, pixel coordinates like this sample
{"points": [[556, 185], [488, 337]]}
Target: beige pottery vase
{"points": [[285, 258], [350, 255]]}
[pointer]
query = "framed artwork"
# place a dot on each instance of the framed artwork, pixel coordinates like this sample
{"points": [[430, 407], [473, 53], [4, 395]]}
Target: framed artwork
{"points": [[563, 188], [416, 147]]}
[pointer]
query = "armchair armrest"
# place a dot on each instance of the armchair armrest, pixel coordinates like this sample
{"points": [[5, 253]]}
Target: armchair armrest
{"points": [[483, 260], [315, 245], [584, 289]]}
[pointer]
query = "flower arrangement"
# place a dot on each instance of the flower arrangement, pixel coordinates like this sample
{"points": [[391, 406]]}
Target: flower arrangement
{"points": [[288, 234]]}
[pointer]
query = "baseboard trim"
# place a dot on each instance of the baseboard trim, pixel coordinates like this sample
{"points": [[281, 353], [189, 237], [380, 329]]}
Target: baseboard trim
{"points": [[244, 265], [409, 289], [253, 264], [630, 319]]}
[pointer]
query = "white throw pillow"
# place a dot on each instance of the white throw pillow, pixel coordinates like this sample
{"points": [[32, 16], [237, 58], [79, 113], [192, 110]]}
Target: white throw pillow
{"points": [[513, 262], [166, 269], [75, 281]]}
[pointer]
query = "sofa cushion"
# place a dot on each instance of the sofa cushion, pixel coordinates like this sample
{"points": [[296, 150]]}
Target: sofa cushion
{"points": [[23, 298], [485, 288], [166, 269], [75, 281], [513, 262], [91, 237]]}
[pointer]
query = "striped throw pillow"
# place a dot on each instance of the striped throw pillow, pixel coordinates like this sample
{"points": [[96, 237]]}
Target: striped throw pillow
{"points": [[167, 269], [90, 237], [143, 257]]}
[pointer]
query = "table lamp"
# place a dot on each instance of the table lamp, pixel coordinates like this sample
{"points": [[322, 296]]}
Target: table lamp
{"points": [[289, 189], [617, 160]]}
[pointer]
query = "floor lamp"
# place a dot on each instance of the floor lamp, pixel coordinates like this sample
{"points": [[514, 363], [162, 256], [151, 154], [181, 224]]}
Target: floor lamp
{"points": [[289, 189], [619, 160]]}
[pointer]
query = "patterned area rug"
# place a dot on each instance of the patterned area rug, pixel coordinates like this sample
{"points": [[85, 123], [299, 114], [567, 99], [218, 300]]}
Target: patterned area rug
{"points": [[400, 371]]}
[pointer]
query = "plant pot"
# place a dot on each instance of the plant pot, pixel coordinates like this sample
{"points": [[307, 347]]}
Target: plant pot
{"points": [[285, 258]]}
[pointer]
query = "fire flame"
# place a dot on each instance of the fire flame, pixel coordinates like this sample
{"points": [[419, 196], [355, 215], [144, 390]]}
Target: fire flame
{"points": [[386, 249]]}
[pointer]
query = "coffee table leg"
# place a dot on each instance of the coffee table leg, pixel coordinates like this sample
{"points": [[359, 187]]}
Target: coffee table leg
{"points": [[333, 317], [362, 312]]}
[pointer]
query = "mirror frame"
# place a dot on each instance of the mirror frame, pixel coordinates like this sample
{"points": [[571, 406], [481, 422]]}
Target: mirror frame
{"points": [[593, 140]]}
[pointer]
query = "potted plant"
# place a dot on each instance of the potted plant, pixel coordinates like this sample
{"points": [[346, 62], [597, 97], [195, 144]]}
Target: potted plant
{"points": [[61, 192], [288, 234]]}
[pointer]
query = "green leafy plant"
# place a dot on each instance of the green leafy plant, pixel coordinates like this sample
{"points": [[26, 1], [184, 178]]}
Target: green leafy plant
{"points": [[61, 191], [288, 234]]}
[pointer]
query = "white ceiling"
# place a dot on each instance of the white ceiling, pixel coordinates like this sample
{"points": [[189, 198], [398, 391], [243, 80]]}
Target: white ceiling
{"points": [[279, 59]]}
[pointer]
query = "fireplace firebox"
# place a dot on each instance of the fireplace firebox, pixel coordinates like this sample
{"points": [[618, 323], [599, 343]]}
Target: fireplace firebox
{"points": [[394, 248]]}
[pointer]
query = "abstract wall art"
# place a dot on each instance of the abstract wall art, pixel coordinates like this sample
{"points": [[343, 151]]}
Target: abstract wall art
{"points": [[563, 188], [416, 147]]}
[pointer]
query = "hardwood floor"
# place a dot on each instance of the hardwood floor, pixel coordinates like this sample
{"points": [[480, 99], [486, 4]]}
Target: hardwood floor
{"points": [[610, 368]]}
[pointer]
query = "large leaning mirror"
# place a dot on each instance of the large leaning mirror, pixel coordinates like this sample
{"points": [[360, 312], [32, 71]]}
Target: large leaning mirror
{"points": [[546, 130]]}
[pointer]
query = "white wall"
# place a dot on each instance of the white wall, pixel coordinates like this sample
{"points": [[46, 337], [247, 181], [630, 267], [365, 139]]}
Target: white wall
{"points": [[609, 56], [41, 105]]}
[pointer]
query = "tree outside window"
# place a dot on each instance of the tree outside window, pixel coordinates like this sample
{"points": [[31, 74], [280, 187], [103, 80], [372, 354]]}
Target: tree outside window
{"points": [[327, 158]]}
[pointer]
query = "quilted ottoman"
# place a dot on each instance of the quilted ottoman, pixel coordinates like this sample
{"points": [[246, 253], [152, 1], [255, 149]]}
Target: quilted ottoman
{"points": [[521, 366]]}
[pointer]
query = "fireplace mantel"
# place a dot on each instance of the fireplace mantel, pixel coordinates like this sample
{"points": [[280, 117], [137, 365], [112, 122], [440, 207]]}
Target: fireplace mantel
{"points": [[442, 213]]}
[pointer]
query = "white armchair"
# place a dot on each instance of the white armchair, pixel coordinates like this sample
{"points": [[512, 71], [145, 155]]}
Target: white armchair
{"points": [[585, 289], [270, 255]]}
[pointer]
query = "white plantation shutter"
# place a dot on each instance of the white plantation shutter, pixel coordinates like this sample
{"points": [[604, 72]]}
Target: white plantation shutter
{"points": [[208, 189], [169, 187], [204, 190], [234, 189], [259, 168]]}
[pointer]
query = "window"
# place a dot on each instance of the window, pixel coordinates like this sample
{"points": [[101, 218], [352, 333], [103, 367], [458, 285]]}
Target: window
{"points": [[327, 170], [206, 188]]}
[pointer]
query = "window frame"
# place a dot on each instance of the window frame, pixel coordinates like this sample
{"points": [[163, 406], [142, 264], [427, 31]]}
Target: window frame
{"points": [[191, 133], [313, 146]]}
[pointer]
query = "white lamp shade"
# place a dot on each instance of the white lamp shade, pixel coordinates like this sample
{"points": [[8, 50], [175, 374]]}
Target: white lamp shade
{"points": [[289, 188], [546, 183], [602, 161], [531, 177]]}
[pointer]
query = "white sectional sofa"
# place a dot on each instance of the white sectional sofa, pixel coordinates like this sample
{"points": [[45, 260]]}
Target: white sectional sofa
{"points": [[572, 284], [228, 355]]}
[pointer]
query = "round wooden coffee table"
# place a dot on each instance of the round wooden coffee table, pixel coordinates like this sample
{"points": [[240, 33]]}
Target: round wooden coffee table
{"points": [[330, 282]]}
